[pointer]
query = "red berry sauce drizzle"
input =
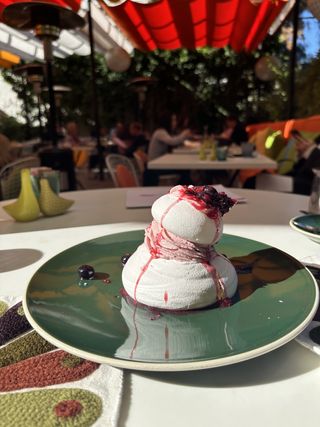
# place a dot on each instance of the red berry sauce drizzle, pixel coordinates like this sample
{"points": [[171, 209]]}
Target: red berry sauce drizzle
{"points": [[213, 204]]}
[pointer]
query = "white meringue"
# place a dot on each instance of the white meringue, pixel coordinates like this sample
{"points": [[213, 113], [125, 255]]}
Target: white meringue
{"points": [[175, 285], [175, 282], [185, 221]]}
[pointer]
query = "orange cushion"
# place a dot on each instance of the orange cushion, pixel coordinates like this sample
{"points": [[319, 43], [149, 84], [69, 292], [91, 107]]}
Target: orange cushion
{"points": [[142, 155], [125, 177], [245, 174]]}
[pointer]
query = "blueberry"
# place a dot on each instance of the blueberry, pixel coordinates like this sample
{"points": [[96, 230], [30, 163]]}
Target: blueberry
{"points": [[86, 272], [125, 258]]}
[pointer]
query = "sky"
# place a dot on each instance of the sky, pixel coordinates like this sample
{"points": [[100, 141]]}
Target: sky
{"points": [[311, 39], [9, 102]]}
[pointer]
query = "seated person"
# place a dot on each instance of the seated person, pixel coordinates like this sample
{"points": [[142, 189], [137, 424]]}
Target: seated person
{"points": [[161, 141], [72, 138], [119, 135], [131, 141], [308, 159], [82, 147], [5, 154], [162, 138], [233, 132], [117, 130]]}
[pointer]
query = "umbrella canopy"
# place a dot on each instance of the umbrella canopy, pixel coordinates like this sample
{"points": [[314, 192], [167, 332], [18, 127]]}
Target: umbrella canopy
{"points": [[172, 24], [73, 4]]}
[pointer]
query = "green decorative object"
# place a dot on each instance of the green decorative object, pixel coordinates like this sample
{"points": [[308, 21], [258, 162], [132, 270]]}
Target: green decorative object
{"points": [[287, 158], [26, 207], [60, 407], [277, 297], [50, 203]]}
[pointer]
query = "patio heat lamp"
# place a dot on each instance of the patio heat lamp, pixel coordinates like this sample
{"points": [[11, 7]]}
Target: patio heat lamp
{"points": [[47, 20], [34, 73], [140, 85], [59, 91]]}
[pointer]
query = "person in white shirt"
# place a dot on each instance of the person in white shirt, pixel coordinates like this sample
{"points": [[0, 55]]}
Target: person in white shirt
{"points": [[162, 137], [161, 141]]}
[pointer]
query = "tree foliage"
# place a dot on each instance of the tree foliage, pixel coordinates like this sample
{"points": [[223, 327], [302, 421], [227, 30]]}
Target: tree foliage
{"points": [[308, 88], [204, 85]]}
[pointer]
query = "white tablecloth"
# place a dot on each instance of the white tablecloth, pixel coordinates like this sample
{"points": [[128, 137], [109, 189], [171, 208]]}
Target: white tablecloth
{"points": [[278, 389]]}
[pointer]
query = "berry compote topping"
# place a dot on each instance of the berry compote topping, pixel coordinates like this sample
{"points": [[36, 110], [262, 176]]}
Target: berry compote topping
{"points": [[124, 259], [210, 198], [86, 272]]}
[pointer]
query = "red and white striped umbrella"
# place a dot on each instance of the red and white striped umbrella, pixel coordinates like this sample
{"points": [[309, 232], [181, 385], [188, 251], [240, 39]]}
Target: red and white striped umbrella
{"points": [[171, 24]]}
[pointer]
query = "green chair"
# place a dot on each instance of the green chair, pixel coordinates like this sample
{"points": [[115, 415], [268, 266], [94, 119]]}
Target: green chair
{"points": [[287, 158]]}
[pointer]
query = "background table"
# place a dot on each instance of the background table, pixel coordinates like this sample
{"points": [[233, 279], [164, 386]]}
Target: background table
{"points": [[192, 162], [278, 389]]}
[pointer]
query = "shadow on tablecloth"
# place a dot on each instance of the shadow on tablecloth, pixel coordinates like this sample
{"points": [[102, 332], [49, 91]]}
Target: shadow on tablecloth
{"points": [[13, 259]]}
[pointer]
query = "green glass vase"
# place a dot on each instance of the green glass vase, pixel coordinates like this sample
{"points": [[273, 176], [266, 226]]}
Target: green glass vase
{"points": [[26, 207], [50, 203]]}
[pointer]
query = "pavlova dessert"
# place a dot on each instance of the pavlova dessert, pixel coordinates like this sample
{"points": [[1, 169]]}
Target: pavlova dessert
{"points": [[177, 266]]}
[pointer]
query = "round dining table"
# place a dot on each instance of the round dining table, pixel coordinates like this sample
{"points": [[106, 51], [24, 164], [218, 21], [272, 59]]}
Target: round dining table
{"points": [[280, 388]]}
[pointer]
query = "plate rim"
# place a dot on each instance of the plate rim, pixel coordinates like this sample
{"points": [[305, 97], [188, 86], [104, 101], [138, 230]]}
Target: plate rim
{"points": [[174, 366], [312, 236]]}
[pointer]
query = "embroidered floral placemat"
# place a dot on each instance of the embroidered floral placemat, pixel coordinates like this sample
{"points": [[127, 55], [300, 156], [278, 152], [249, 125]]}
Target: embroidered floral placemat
{"points": [[41, 385]]}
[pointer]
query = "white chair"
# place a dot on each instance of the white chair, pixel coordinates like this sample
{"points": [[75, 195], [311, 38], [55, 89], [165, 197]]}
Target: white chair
{"points": [[270, 182], [122, 171], [140, 158], [10, 182]]}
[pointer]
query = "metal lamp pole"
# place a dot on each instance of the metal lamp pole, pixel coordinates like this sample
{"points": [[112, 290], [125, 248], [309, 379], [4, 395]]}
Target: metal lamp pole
{"points": [[293, 61], [95, 100]]}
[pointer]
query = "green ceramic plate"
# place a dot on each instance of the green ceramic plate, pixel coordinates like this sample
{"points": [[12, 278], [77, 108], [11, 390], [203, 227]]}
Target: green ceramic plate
{"points": [[277, 298], [309, 225]]}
